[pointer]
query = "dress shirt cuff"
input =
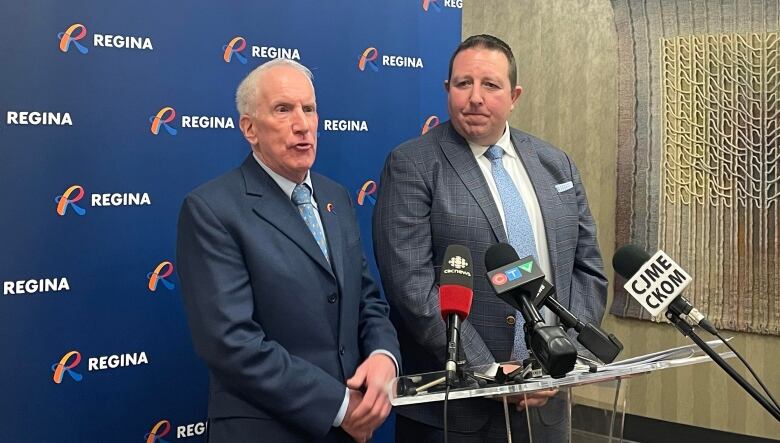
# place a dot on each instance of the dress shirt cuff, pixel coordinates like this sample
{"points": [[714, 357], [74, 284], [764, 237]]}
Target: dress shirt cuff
{"points": [[342, 409], [392, 357]]}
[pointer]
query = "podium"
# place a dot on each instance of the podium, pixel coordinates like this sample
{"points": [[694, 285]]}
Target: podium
{"points": [[607, 382]]}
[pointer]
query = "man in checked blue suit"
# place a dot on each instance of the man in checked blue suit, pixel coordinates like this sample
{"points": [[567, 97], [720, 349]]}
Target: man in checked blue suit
{"points": [[475, 181], [279, 300]]}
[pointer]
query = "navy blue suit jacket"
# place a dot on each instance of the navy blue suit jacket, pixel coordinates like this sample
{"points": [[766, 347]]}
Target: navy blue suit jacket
{"points": [[279, 328]]}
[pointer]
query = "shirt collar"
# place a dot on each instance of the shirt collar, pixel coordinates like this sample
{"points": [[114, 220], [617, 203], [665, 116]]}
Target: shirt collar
{"points": [[284, 183], [505, 142]]}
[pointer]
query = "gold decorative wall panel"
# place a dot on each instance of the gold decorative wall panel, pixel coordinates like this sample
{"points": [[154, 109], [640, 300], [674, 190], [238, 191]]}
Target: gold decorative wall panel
{"points": [[720, 179]]}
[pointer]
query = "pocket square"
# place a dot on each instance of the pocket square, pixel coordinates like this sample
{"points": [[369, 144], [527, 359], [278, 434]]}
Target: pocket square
{"points": [[564, 186]]}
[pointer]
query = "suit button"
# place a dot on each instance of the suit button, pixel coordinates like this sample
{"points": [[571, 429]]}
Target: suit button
{"points": [[332, 298], [510, 319], [342, 351]]}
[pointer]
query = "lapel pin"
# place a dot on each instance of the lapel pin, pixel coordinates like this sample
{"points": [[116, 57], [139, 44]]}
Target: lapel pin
{"points": [[329, 207]]}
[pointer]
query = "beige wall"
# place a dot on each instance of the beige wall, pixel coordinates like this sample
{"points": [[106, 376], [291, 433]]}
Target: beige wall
{"points": [[566, 52]]}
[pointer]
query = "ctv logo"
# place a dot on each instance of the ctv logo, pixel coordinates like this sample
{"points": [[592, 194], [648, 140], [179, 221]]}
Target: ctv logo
{"points": [[161, 271], [430, 123], [238, 44], [74, 194], [367, 191], [370, 56], [166, 116], [512, 274], [163, 428], [77, 31]]}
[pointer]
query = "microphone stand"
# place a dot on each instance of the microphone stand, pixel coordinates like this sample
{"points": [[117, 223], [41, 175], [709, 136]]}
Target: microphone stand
{"points": [[674, 316]]}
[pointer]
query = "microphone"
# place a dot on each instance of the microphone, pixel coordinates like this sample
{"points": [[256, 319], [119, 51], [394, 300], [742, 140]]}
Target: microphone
{"points": [[517, 282], [657, 283], [456, 290]]}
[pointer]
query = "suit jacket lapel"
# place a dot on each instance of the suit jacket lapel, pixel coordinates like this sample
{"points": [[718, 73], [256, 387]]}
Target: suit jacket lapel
{"points": [[274, 207], [458, 153], [542, 189], [330, 223]]}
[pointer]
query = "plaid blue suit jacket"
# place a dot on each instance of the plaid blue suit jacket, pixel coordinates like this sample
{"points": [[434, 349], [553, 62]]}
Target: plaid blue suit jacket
{"points": [[433, 194]]}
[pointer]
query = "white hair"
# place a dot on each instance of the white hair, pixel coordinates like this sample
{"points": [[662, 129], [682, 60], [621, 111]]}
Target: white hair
{"points": [[246, 93]]}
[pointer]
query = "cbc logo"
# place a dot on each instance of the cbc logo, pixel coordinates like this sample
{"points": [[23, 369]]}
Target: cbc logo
{"points": [[458, 262]]}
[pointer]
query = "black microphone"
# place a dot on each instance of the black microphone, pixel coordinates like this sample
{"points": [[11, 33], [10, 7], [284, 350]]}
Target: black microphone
{"points": [[456, 291], [657, 283], [603, 345], [516, 282]]}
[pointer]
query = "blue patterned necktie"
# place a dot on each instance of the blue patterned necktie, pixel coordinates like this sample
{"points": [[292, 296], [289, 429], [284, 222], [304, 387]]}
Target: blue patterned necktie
{"points": [[301, 196], [518, 230]]}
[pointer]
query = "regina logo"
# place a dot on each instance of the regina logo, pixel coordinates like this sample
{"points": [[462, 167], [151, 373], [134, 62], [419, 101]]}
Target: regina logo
{"points": [[65, 366], [69, 199], [370, 57], [159, 430], [367, 191], [367, 58], [430, 123], [77, 31], [437, 4], [236, 45], [162, 118], [73, 34], [163, 270]]}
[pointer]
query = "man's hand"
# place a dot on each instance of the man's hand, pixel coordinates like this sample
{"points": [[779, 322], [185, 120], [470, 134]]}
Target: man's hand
{"points": [[348, 424], [532, 399], [372, 376]]}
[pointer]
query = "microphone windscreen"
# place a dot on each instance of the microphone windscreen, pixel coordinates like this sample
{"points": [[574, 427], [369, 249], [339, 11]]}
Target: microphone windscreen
{"points": [[628, 259], [456, 282], [500, 254]]}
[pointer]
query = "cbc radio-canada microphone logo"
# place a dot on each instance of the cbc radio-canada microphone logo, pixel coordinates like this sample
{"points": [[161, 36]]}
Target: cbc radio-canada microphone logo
{"points": [[458, 262], [67, 365], [430, 123], [366, 193], [159, 275]]}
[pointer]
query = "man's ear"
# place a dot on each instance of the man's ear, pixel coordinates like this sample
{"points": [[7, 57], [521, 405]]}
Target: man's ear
{"points": [[248, 129]]}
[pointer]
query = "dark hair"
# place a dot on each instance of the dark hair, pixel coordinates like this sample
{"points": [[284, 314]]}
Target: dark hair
{"points": [[487, 41]]}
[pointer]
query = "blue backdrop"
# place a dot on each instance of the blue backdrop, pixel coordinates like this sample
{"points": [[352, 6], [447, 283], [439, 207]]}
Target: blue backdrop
{"points": [[111, 114]]}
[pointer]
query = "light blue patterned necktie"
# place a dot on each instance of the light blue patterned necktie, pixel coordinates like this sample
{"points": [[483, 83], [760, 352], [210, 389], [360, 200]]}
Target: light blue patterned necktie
{"points": [[301, 196], [518, 230]]}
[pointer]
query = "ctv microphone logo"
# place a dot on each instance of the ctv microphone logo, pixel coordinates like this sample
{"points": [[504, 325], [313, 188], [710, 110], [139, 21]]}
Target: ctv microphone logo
{"points": [[514, 274], [367, 191], [657, 283], [65, 366], [430, 123], [163, 117], [163, 270], [236, 45]]}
